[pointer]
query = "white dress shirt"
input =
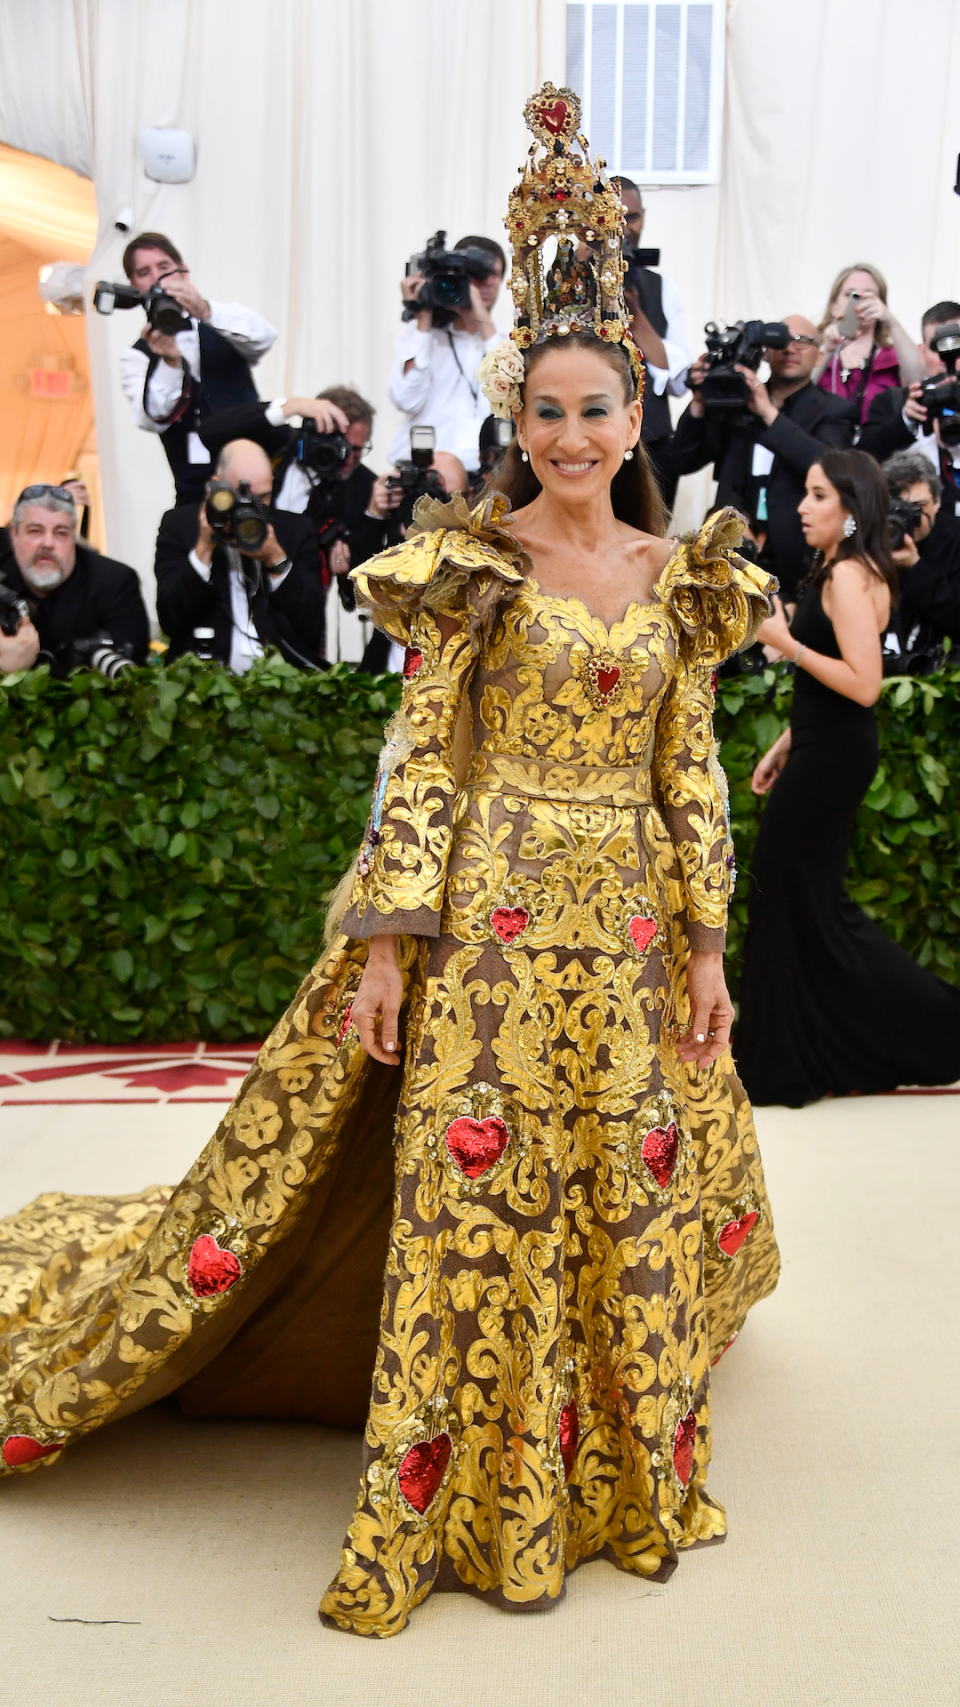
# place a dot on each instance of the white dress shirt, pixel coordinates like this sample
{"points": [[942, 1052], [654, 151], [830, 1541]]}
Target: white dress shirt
{"points": [[245, 644], [441, 390], [248, 332], [672, 379]]}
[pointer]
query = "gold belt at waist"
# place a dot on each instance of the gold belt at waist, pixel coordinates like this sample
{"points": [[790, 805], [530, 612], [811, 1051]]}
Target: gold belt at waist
{"points": [[547, 779]]}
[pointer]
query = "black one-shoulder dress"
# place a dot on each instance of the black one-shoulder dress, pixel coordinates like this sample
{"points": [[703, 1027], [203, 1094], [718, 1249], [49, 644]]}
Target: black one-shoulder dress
{"points": [[829, 1004]]}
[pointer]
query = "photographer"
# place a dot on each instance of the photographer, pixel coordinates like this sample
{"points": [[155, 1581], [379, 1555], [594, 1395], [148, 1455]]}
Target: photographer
{"points": [[319, 472], [864, 348], [67, 606], [762, 451], [925, 539], [660, 335], [440, 477], [913, 416], [266, 594], [434, 377], [174, 381]]}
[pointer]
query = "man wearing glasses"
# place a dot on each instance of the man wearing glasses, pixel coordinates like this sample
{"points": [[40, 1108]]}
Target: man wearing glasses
{"points": [[71, 593], [174, 382], [761, 468]]}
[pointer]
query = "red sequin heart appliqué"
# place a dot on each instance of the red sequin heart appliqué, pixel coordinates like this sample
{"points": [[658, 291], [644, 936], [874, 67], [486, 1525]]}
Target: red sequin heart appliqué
{"points": [[608, 679], [642, 932], [211, 1269], [684, 1441], [733, 1233], [568, 1429], [553, 118], [345, 1023], [412, 660], [422, 1470], [659, 1153], [509, 922], [23, 1449], [476, 1145]]}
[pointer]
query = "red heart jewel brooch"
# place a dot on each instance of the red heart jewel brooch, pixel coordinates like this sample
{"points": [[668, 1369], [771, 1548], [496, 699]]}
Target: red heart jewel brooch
{"points": [[733, 1233], [642, 932], [210, 1268], [568, 1429], [684, 1441], [476, 1145], [659, 1153], [509, 922], [608, 679], [554, 117], [422, 1470], [23, 1449]]}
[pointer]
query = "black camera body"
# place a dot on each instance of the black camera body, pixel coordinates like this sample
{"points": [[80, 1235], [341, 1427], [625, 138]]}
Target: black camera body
{"points": [[95, 652], [236, 518], [164, 314], [416, 477], [903, 521], [13, 610], [941, 397], [322, 454], [447, 276], [724, 390]]}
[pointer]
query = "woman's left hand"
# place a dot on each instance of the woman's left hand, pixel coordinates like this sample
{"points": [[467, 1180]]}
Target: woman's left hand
{"points": [[711, 1011], [775, 631]]}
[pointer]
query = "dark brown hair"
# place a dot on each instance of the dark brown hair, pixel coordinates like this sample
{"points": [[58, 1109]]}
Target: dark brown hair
{"points": [[634, 492], [488, 245], [863, 493], [355, 407], [149, 240]]}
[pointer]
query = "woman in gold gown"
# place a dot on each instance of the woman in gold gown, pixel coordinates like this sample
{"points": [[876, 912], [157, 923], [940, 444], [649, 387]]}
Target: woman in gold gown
{"points": [[573, 1218]]}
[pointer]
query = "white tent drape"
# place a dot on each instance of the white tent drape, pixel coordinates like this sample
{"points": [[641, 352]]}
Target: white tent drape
{"points": [[333, 135]]}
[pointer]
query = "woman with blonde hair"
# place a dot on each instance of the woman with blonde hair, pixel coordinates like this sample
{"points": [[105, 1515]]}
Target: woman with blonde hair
{"points": [[865, 349]]}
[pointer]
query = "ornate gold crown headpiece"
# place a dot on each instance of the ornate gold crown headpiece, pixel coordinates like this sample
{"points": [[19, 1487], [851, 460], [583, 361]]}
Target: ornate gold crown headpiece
{"points": [[561, 194]]}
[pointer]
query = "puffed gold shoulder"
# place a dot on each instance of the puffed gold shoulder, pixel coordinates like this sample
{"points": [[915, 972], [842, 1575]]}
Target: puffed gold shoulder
{"points": [[717, 597], [453, 559]]}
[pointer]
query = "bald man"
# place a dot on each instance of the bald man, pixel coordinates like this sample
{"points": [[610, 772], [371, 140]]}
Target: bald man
{"points": [[761, 466], [252, 599]]}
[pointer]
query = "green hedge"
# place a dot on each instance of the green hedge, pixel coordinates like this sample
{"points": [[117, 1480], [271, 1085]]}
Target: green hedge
{"points": [[168, 839]]}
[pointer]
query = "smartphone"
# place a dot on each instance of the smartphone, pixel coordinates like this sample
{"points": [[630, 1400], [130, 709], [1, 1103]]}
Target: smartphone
{"points": [[850, 325]]}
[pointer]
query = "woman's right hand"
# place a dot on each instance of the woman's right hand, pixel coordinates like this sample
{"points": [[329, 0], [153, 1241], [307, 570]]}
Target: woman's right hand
{"points": [[771, 764], [376, 1005]]}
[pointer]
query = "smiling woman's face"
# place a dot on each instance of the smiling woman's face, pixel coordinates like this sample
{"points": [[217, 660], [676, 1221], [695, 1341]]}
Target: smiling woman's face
{"points": [[576, 423]]}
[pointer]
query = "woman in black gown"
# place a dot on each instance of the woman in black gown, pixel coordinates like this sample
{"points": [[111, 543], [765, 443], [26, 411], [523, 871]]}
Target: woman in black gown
{"points": [[829, 1004]]}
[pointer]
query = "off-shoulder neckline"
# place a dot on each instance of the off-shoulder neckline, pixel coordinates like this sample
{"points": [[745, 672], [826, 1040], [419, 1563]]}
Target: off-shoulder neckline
{"points": [[656, 599]]}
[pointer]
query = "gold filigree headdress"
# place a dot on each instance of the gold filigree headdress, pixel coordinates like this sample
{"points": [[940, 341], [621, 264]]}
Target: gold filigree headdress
{"points": [[562, 195]]}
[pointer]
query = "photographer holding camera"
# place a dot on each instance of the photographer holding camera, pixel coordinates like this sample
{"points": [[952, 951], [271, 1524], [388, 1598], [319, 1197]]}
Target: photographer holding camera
{"points": [[193, 358], [925, 545], [318, 468], [61, 603], [447, 296], [864, 348], [761, 438], [926, 414], [235, 575]]}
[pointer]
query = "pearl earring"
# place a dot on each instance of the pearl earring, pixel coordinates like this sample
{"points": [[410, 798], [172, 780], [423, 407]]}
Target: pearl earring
{"points": [[628, 456], [849, 527], [524, 457]]}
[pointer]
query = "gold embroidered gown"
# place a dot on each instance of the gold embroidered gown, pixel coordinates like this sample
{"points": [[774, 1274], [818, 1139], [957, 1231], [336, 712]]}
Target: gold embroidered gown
{"points": [[574, 1223]]}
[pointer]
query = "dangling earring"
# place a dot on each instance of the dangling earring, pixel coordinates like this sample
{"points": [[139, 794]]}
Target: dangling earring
{"points": [[524, 457], [628, 456], [849, 527]]}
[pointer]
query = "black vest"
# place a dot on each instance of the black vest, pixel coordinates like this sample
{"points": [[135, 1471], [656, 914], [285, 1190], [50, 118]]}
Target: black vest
{"points": [[656, 410], [225, 383]]}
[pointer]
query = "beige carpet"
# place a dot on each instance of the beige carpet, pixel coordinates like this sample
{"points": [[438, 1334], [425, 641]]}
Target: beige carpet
{"points": [[836, 1454]]}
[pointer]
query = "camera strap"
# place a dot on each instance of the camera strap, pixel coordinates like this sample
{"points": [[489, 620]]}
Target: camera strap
{"points": [[473, 389], [183, 401]]}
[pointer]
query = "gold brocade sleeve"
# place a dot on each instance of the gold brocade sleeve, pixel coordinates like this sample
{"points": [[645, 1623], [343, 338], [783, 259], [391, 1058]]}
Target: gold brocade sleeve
{"points": [[438, 593], [693, 792], [719, 601]]}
